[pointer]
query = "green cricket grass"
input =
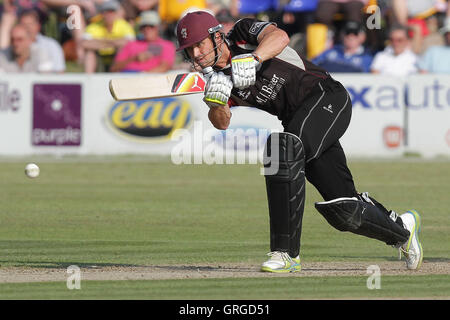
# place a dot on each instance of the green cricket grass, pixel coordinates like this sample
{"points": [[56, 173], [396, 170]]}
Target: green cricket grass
{"points": [[137, 211], [391, 287]]}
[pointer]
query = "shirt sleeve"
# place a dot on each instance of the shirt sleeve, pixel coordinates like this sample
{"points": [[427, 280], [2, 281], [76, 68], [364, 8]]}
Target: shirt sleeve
{"points": [[367, 62], [320, 58], [91, 32], [376, 63], [57, 56], [247, 30], [45, 63], [424, 62], [126, 30]]}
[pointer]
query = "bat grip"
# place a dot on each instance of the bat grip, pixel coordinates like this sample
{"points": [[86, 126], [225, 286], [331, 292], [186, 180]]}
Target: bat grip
{"points": [[207, 72]]}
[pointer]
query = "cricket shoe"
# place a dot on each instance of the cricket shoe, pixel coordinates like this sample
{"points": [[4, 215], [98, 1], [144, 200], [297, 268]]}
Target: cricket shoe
{"points": [[281, 262], [412, 249]]}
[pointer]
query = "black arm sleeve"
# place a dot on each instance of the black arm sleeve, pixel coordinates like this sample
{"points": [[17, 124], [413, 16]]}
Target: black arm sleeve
{"points": [[247, 30]]}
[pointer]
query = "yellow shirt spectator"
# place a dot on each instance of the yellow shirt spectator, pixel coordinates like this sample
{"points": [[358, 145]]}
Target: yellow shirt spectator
{"points": [[121, 29]]}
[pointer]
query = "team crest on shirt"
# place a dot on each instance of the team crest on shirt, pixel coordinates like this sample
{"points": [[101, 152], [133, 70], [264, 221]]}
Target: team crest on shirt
{"points": [[243, 94], [256, 27], [184, 33]]}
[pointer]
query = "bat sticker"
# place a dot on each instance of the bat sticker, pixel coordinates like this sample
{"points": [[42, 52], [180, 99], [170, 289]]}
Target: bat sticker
{"points": [[188, 82]]}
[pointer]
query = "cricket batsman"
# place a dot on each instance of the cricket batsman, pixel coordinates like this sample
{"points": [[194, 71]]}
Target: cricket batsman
{"points": [[253, 66]]}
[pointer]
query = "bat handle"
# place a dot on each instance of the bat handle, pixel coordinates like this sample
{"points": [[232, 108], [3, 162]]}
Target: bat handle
{"points": [[207, 72]]}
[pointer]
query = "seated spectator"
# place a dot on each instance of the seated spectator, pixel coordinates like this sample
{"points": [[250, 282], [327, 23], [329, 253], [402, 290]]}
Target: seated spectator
{"points": [[351, 56], [437, 58], [232, 6], [321, 34], [133, 8], [105, 37], [22, 55], [397, 59], [11, 10], [151, 54], [405, 10], [225, 17], [73, 16], [352, 10], [30, 19], [434, 38], [419, 16]]}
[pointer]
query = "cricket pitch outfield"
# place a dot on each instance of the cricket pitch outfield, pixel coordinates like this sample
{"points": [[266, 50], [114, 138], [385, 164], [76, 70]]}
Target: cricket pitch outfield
{"points": [[143, 228]]}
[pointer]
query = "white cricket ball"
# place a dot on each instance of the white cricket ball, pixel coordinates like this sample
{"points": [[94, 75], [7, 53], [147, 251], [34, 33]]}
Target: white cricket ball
{"points": [[32, 170]]}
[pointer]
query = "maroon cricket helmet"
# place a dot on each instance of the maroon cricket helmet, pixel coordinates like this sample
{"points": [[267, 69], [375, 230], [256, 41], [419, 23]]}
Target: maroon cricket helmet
{"points": [[194, 27]]}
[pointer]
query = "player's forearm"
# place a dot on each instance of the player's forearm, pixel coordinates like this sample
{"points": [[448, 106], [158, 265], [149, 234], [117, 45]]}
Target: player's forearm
{"points": [[220, 117], [271, 44]]}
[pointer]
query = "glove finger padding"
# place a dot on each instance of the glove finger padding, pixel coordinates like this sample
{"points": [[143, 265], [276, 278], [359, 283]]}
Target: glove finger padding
{"points": [[244, 67], [218, 90]]}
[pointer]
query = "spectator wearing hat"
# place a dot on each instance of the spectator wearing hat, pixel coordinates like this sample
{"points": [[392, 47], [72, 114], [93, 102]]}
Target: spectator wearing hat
{"points": [[397, 59], [351, 55], [437, 58], [105, 37], [321, 34], [151, 54]]}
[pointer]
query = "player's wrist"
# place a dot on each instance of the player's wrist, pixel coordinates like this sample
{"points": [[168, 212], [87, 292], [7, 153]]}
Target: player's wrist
{"points": [[214, 102], [257, 57]]}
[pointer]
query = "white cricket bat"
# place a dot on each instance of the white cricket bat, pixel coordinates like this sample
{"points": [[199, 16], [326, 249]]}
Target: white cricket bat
{"points": [[156, 86]]}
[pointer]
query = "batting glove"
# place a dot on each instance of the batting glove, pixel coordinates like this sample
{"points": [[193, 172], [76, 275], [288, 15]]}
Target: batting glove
{"points": [[244, 67], [218, 90]]}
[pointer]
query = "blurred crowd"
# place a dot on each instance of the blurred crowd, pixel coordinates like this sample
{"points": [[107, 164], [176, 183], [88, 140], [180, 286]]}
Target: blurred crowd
{"points": [[395, 37]]}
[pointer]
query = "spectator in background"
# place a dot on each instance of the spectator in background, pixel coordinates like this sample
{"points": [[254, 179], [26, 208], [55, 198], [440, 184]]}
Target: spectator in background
{"points": [[404, 10], [437, 58], [105, 37], [11, 10], [232, 6], [151, 54], [79, 11], [418, 15], [225, 17], [434, 38], [30, 19], [133, 8], [352, 10], [350, 56], [397, 59], [321, 34], [22, 55]]}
